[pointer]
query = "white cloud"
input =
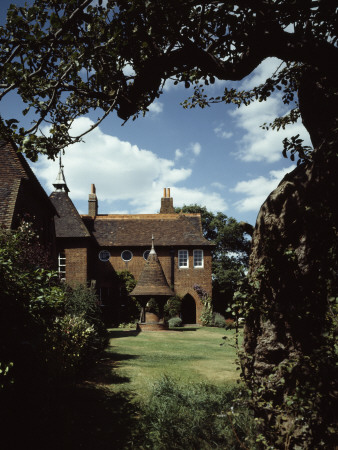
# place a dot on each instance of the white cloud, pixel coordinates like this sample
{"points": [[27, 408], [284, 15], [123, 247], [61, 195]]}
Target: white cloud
{"points": [[212, 200], [122, 172], [261, 73], [264, 145], [221, 133], [128, 70], [178, 153], [156, 107], [195, 147], [218, 185], [257, 189]]}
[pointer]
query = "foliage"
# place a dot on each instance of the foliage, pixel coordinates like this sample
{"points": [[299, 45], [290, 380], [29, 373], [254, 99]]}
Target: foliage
{"points": [[207, 312], [152, 306], [175, 322], [81, 301], [35, 331], [298, 394], [173, 307], [185, 416], [218, 320], [66, 58], [67, 343], [230, 256]]}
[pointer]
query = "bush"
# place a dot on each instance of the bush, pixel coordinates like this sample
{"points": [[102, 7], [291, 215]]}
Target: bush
{"points": [[197, 416], [152, 306], [218, 320], [230, 324], [175, 322], [68, 344], [173, 307]]}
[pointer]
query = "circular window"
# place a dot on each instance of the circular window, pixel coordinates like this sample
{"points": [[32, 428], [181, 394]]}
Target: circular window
{"points": [[146, 254], [104, 255], [126, 255]]}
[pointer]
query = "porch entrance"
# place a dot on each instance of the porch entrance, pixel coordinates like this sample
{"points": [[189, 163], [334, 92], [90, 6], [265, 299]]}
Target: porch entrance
{"points": [[188, 309]]}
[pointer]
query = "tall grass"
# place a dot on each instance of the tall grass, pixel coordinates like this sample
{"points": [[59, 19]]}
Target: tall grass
{"points": [[196, 416]]}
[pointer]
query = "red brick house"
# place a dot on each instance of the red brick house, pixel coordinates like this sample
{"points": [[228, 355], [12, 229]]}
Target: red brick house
{"points": [[93, 247], [22, 196]]}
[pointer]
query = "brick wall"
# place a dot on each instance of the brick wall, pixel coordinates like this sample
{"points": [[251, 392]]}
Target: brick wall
{"points": [[182, 280], [76, 266], [76, 251]]}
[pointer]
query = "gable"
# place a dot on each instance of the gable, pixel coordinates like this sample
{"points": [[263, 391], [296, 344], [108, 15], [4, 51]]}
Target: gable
{"points": [[68, 223]]}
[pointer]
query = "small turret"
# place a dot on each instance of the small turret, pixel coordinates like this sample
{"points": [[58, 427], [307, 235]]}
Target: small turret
{"points": [[60, 182]]}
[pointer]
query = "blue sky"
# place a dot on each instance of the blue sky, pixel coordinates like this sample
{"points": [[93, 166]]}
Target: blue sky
{"points": [[217, 157]]}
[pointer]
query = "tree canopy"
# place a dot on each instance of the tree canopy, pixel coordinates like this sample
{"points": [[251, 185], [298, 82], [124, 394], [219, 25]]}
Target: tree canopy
{"points": [[66, 58]]}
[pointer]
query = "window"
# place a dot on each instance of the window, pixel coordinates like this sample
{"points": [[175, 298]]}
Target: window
{"points": [[126, 255], [104, 255], [183, 259], [146, 254], [62, 265], [198, 258]]}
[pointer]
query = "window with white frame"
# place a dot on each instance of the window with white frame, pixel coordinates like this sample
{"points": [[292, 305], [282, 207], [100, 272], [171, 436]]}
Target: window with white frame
{"points": [[62, 265], [183, 259], [198, 258]]}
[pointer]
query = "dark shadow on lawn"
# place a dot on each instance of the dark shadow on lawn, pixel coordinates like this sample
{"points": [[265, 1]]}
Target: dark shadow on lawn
{"points": [[184, 329], [81, 417], [87, 415], [113, 334]]}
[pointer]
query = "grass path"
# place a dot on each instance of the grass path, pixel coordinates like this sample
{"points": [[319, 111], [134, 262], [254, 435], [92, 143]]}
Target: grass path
{"points": [[188, 354]]}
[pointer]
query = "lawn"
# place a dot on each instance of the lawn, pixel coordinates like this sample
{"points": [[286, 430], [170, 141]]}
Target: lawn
{"points": [[187, 354]]}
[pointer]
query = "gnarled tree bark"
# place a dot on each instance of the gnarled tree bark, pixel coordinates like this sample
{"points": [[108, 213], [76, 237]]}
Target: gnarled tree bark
{"points": [[293, 274]]}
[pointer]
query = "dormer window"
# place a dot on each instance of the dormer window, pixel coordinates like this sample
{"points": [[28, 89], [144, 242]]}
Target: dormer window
{"points": [[183, 259], [198, 259]]}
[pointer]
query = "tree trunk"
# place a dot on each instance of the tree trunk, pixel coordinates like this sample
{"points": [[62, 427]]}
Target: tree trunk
{"points": [[289, 350]]}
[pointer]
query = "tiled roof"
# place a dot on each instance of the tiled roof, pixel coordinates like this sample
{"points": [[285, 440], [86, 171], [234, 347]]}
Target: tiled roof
{"points": [[13, 169], [152, 281], [136, 229], [8, 195], [69, 222]]}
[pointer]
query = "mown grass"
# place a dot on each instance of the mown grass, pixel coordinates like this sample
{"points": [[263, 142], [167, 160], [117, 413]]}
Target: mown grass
{"points": [[187, 354]]}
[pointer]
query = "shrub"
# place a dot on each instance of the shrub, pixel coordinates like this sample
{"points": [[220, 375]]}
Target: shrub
{"points": [[68, 342], [175, 322], [197, 416], [218, 320], [230, 324], [173, 307], [152, 306]]}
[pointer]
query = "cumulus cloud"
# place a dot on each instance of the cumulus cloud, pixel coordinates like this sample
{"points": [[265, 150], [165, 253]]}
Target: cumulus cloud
{"points": [[122, 172], [221, 133], [156, 107], [261, 73], [178, 153], [218, 185], [257, 144], [195, 148], [257, 189]]}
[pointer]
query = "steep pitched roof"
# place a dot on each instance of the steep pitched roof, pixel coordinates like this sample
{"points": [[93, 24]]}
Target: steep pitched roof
{"points": [[135, 229], [13, 170], [69, 222], [152, 281]]}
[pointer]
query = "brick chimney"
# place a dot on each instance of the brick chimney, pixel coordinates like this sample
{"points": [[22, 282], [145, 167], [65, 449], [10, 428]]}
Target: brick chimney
{"points": [[167, 205], [92, 202]]}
